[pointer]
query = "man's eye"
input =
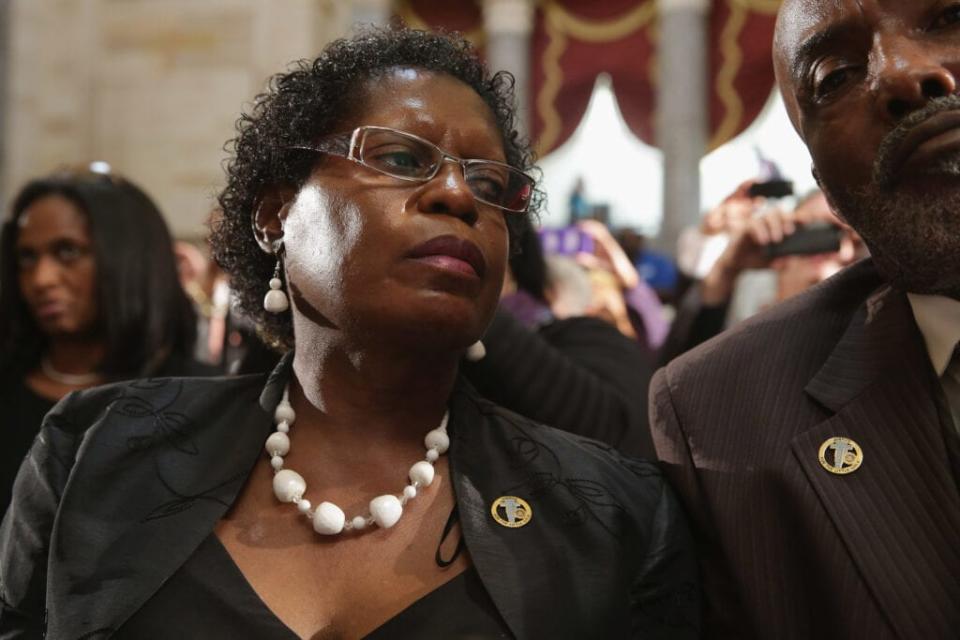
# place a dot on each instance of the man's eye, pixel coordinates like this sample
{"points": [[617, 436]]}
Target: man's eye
{"points": [[949, 16], [832, 82]]}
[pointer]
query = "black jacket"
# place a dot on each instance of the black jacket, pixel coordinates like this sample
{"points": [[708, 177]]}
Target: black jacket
{"points": [[126, 480]]}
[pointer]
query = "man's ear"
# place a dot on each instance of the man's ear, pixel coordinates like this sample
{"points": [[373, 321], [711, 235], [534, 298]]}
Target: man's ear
{"points": [[270, 212]]}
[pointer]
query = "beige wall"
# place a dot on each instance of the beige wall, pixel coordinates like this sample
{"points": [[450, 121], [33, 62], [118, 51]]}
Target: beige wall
{"points": [[150, 86]]}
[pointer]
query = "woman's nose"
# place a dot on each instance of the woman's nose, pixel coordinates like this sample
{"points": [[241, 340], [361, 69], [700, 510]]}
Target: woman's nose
{"points": [[45, 273], [448, 193]]}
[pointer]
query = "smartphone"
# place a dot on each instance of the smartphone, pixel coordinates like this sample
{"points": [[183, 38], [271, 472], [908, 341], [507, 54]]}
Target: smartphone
{"points": [[816, 237], [771, 189], [568, 241]]}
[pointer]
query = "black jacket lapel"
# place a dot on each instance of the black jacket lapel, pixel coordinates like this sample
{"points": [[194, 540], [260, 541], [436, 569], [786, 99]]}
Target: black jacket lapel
{"points": [[899, 513], [520, 568], [185, 473]]}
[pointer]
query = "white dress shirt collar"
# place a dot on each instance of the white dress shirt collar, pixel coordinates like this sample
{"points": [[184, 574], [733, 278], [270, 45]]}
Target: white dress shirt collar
{"points": [[939, 320]]}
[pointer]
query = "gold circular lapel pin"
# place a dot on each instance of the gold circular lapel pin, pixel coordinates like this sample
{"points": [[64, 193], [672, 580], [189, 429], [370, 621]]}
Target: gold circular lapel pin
{"points": [[511, 511], [840, 455]]}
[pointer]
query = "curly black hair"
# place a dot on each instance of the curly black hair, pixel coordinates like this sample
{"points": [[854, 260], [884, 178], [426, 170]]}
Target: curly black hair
{"points": [[308, 102]]}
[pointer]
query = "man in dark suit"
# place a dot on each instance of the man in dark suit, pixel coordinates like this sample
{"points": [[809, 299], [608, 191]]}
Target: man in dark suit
{"points": [[815, 446]]}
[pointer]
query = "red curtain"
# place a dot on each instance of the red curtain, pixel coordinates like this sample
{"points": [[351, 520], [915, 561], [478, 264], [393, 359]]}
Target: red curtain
{"points": [[575, 40]]}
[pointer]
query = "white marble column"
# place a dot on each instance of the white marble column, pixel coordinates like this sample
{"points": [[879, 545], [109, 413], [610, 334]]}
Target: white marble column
{"points": [[371, 12], [509, 25], [682, 112]]}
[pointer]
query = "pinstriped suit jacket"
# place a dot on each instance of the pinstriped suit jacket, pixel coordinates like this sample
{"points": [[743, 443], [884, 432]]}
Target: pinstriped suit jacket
{"points": [[789, 550]]}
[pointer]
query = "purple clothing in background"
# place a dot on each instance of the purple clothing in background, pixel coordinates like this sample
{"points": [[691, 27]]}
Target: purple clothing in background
{"points": [[645, 302], [526, 309]]}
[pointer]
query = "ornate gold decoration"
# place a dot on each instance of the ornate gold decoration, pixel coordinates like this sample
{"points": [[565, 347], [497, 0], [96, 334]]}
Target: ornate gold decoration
{"points": [[732, 60], [561, 24]]}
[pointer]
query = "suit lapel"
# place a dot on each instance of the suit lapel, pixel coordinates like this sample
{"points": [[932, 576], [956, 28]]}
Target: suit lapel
{"points": [[899, 513], [159, 469]]}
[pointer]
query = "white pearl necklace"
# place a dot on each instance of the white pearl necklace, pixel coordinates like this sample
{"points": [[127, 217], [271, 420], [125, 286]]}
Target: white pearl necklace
{"points": [[328, 518]]}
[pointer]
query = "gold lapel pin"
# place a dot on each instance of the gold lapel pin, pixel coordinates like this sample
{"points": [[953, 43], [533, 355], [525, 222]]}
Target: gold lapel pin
{"points": [[840, 455], [511, 511]]}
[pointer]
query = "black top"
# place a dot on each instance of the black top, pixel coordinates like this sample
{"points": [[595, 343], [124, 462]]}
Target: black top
{"points": [[21, 412], [128, 480], [210, 598]]}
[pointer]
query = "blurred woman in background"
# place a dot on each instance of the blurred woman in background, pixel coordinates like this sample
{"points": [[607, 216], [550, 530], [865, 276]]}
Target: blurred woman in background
{"points": [[88, 295]]}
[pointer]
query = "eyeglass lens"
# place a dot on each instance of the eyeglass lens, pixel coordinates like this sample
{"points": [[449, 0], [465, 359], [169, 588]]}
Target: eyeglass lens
{"points": [[402, 156]]}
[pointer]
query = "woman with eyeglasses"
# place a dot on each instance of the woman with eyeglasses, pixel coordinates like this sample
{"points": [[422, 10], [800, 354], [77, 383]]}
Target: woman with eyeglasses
{"points": [[361, 489], [88, 295]]}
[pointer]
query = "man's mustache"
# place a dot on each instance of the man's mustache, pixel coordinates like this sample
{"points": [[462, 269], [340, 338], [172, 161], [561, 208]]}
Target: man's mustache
{"points": [[884, 167]]}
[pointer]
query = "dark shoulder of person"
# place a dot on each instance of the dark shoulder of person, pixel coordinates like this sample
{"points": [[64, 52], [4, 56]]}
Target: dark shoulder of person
{"points": [[177, 365]]}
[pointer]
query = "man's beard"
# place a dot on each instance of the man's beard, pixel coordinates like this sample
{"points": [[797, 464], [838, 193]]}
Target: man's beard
{"points": [[913, 234]]}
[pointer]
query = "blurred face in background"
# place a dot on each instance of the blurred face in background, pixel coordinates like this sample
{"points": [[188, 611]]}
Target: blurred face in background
{"points": [[56, 268], [800, 272]]}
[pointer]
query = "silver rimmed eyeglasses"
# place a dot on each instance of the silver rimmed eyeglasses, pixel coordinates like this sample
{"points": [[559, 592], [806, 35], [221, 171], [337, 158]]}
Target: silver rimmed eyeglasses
{"points": [[404, 156]]}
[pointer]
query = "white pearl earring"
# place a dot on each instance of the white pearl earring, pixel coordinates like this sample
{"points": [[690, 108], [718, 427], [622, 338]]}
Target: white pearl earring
{"points": [[276, 300], [476, 352]]}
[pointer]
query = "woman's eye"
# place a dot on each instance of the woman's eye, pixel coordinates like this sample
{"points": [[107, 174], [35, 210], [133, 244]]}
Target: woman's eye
{"points": [[401, 159], [489, 188], [949, 16], [397, 160], [26, 260], [68, 252]]}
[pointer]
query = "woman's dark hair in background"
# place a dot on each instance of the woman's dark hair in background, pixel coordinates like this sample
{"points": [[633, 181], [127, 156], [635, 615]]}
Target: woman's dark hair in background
{"points": [[143, 316], [311, 101]]}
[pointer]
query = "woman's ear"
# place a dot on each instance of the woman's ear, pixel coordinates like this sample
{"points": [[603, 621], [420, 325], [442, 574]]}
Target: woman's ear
{"points": [[272, 206]]}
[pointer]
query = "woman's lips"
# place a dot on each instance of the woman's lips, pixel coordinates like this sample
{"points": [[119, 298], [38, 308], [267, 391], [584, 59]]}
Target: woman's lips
{"points": [[46, 311], [451, 253]]}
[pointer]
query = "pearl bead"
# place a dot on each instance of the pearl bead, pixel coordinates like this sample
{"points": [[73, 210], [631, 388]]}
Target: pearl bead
{"points": [[386, 510], [288, 485], [328, 519], [476, 352], [276, 462], [409, 492], [304, 506], [278, 444], [432, 455], [275, 283], [276, 301], [359, 523], [437, 439], [283, 427], [284, 413], [422, 473]]}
